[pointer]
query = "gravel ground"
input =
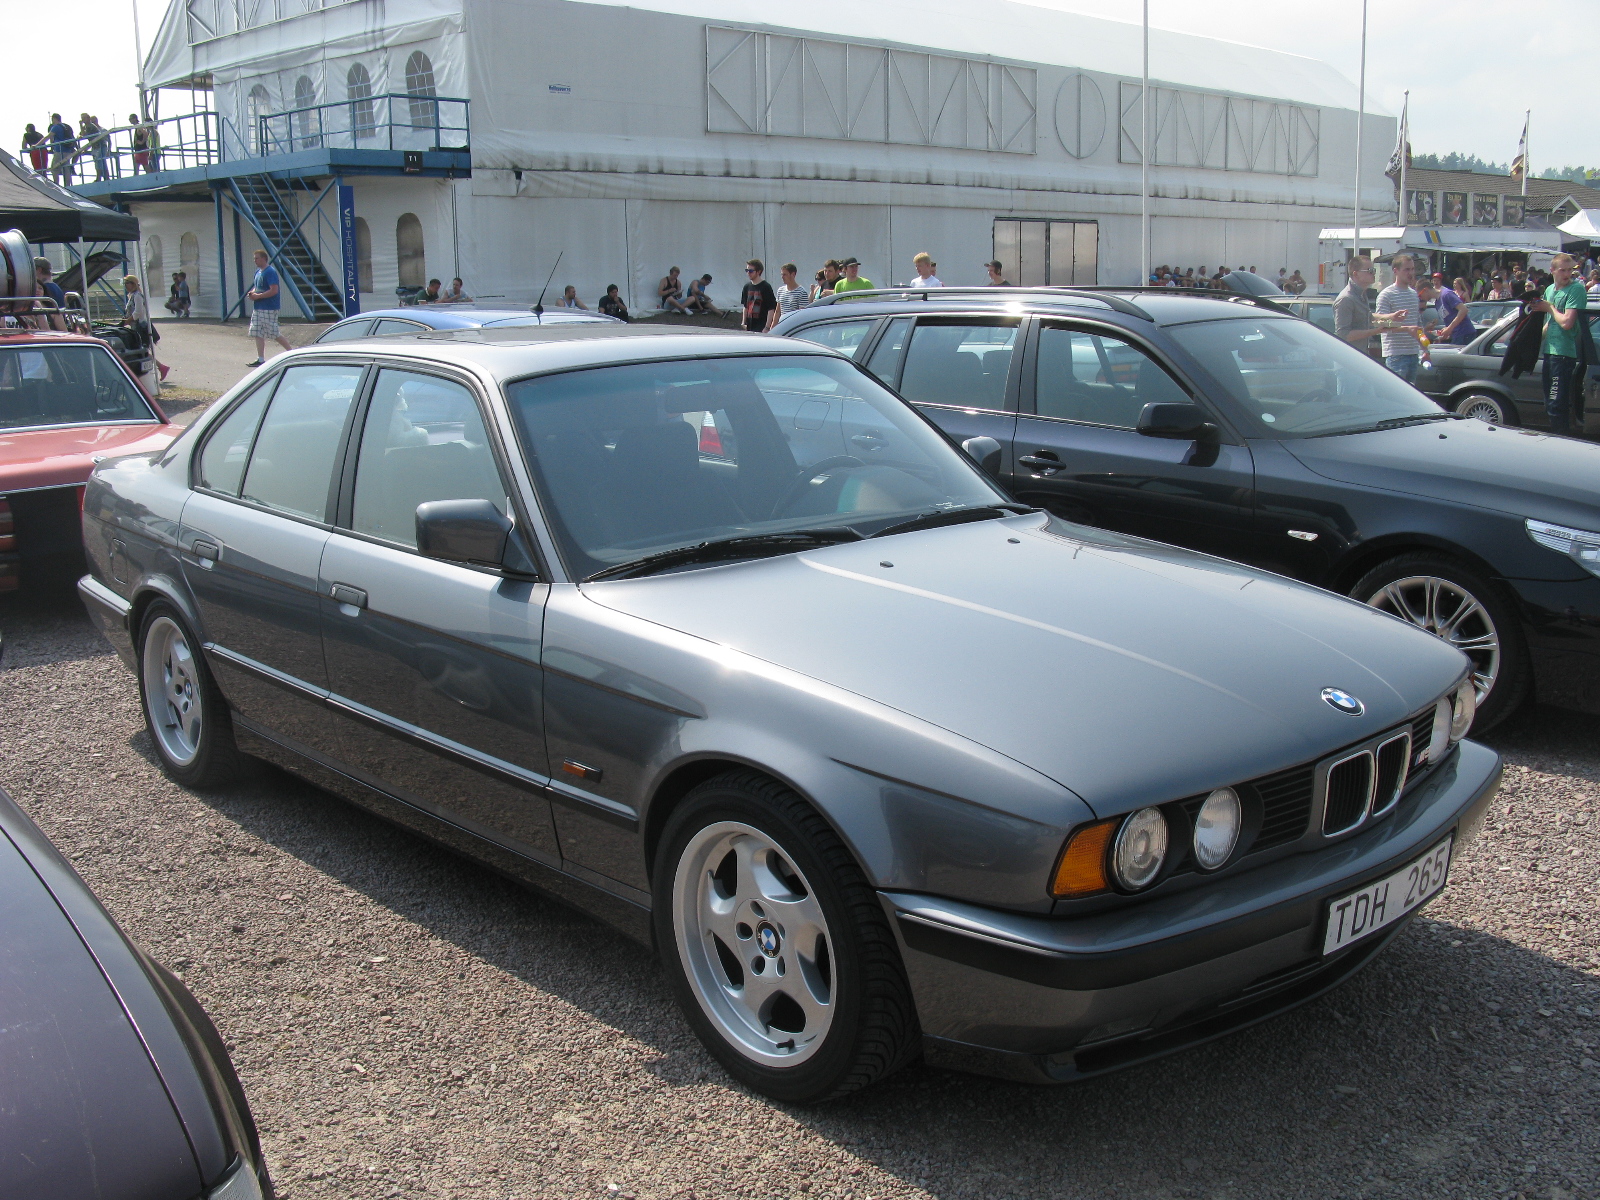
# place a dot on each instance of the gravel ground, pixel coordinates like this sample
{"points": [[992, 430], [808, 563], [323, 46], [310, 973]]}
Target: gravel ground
{"points": [[408, 1024]]}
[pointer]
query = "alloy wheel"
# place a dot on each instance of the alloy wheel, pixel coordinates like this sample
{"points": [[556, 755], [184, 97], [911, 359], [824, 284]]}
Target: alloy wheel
{"points": [[1483, 408], [754, 943], [1448, 611], [172, 691]]}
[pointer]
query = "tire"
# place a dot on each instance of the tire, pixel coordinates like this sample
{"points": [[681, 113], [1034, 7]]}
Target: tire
{"points": [[1429, 591], [184, 711], [776, 947], [1490, 408]]}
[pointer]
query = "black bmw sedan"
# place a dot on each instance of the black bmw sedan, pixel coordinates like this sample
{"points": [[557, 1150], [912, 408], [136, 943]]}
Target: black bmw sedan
{"points": [[115, 1083], [1229, 427]]}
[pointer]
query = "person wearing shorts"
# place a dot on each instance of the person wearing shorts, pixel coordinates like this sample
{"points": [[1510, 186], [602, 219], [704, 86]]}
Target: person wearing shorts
{"points": [[265, 301]]}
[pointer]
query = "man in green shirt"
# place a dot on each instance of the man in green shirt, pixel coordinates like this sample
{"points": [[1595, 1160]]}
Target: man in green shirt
{"points": [[1564, 301], [852, 281]]}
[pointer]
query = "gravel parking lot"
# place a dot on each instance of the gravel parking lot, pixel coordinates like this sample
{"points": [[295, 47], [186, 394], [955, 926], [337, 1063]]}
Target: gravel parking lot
{"points": [[408, 1024]]}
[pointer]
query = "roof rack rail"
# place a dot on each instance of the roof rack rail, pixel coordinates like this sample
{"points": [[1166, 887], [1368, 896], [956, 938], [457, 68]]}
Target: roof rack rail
{"points": [[1113, 302], [1275, 303]]}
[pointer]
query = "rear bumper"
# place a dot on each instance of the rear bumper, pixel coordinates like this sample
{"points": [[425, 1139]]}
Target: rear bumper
{"points": [[109, 612], [1049, 1000]]}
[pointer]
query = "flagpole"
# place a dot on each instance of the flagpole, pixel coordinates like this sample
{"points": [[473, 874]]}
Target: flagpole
{"points": [[1405, 155], [1527, 118], [1361, 110], [138, 55], [1144, 153]]}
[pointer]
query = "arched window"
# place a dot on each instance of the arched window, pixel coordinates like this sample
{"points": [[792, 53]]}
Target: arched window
{"points": [[408, 249], [358, 89], [363, 255], [154, 265], [307, 124], [255, 107], [419, 86], [189, 261]]}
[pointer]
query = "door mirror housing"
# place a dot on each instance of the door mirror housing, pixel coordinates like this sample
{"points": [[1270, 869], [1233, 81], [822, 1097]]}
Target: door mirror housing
{"points": [[984, 451], [464, 531], [1180, 422]]}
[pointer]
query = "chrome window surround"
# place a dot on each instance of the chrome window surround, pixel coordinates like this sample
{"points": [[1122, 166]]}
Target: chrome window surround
{"points": [[1375, 805]]}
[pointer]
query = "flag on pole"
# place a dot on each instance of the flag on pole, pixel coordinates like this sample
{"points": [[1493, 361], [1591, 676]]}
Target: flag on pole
{"points": [[1519, 164], [1400, 160]]}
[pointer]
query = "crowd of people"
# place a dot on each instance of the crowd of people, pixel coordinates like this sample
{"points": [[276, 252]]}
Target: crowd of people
{"points": [[56, 152], [1204, 279]]}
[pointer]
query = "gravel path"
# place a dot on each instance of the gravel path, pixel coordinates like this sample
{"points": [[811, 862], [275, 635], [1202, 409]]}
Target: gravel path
{"points": [[408, 1024]]}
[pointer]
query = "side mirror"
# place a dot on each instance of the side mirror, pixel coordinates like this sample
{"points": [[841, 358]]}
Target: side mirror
{"points": [[1180, 422], [984, 451], [467, 531]]}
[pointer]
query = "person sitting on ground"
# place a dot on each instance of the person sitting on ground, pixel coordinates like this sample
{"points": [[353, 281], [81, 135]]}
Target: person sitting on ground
{"points": [[1296, 283], [697, 301], [454, 294], [853, 280], [178, 295], [611, 304], [997, 277], [670, 291], [791, 296], [924, 265], [569, 299]]}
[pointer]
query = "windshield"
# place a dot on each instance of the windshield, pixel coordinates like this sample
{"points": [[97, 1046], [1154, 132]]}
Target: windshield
{"points": [[1299, 381], [633, 460], [66, 385]]}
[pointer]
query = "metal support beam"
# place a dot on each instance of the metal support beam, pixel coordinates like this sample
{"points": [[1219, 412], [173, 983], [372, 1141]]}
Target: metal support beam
{"points": [[222, 258]]}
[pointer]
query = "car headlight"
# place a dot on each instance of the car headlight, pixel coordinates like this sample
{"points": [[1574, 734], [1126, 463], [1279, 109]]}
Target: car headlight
{"points": [[1216, 828], [1463, 707], [1580, 545], [1141, 849]]}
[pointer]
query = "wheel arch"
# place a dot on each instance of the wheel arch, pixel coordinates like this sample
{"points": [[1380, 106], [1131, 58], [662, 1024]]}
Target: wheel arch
{"points": [[1468, 386], [1365, 557], [154, 588]]}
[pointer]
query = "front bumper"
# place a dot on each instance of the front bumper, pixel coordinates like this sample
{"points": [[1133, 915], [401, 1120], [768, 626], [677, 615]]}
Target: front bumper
{"points": [[1048, 1000], [1561, 621]]}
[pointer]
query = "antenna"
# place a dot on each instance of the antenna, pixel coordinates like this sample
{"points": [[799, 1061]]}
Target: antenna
{"points": [[538, 306]]}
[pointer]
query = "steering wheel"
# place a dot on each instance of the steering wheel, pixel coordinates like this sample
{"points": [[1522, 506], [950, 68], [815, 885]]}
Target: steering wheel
{"points": [[807, 474]]}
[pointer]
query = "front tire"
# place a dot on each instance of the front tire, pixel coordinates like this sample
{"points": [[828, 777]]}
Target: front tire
{"points": [[1455, 603], [1489, 408], [776, 947], [183, 709]]}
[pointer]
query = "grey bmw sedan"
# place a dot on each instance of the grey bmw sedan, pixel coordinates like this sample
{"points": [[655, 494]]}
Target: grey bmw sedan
{"points": [[716, 638]]}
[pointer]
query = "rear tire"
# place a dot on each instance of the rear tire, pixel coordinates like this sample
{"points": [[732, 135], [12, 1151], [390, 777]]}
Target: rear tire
{"points": [[1455, 603], [1489, 408], [184, 711], [775, 945]]}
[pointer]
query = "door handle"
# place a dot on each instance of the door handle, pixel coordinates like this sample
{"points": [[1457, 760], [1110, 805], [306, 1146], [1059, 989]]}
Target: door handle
{"points": [[206, 550], [1041, 461], [348, 597]]}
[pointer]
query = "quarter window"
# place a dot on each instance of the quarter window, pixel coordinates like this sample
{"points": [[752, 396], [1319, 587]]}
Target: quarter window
{"points": [[291, 467], [394, 325], [840, 335], [1098, 380], [424, 440], [962, 365], [347, 330], [886, 354]]}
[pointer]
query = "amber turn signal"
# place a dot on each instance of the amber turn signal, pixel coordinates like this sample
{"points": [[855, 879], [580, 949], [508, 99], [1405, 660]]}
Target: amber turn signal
{"points": [[1082, 870]]}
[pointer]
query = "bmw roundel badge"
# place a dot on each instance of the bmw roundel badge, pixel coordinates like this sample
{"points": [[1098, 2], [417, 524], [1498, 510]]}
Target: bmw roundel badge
{"points": [[1343, 701]]}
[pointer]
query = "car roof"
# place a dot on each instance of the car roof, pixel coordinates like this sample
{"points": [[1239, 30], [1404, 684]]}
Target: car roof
{"points": [[1159, 306], [463, 316], [506, 352], [15, 337]]}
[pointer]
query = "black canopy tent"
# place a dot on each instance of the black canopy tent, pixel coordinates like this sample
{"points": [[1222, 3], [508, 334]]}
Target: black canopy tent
{"points": [[47, 213]]}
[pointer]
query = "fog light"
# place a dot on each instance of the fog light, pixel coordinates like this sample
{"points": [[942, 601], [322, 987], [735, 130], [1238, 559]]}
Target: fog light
{"points": [[1141, 849], [1216, 828], [1463, 707]]}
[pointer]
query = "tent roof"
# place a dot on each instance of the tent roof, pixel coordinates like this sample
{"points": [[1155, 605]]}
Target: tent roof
{"points": [[47, 213], [1585, 225]]}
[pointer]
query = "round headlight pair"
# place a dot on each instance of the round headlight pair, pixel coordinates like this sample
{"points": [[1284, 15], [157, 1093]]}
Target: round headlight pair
{"points": [[1140, 850], [1463, 707]]}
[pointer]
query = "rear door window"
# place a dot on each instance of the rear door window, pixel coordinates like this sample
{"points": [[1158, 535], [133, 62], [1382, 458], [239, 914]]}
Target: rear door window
{"points": [[394, 325], [291, 463], [346, 330], [962, 364]]}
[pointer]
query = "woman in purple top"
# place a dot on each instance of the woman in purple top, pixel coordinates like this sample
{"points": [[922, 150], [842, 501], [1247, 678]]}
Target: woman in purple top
{"points": [[1458, 328]]}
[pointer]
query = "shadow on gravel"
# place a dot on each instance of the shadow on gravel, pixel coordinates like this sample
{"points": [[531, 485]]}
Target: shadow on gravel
{"points": [[53, 620], [1454, 1065]]}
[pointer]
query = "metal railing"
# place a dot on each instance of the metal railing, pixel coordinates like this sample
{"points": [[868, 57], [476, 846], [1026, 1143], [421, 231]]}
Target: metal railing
{"points": [[390, 121]]}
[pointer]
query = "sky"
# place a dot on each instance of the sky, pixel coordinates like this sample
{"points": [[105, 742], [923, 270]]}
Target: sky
{"points": [[1471, 67]]}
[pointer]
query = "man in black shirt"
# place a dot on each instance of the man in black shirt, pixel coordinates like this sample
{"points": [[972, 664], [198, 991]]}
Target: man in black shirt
{"points": [[759, 301]]}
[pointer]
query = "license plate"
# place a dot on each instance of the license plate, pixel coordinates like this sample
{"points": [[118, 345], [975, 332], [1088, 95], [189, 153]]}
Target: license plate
{"points": [[1353, 917]]}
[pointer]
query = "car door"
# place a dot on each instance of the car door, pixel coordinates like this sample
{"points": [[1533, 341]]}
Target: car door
{"points": [[252, 535], [961, 371], [1078, 452], [434, 665], [1480, 359]]}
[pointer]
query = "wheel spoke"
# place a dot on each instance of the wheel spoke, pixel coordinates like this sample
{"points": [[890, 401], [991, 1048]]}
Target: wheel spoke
{"points": [[1486, 641]]}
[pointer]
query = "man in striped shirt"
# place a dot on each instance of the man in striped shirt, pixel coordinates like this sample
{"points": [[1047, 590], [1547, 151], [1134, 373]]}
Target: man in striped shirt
{"points": [[1399, 312]]}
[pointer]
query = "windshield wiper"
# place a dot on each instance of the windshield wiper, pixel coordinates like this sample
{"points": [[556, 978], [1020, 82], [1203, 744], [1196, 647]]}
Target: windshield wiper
{"points": [[748, 546], [1387, 423], [955, 516]]}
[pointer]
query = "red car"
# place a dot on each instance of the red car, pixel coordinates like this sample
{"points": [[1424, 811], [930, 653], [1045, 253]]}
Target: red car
{"points": [[66, 402]]}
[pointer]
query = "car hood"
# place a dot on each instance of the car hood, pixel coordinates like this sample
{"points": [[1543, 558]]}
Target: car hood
{"points": [[1122, 669], [37, 458], [1518, 471]]}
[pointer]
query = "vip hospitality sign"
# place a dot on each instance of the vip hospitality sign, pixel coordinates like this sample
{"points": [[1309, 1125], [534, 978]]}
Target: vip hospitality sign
{"points": [[347, 245]]}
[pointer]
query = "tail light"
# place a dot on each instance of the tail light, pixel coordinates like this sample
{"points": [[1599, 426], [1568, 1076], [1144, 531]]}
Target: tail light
{"points": [[710, 435], [8, 527]]}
